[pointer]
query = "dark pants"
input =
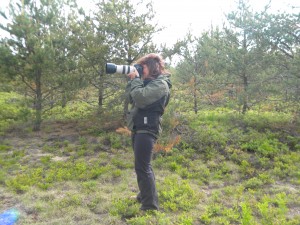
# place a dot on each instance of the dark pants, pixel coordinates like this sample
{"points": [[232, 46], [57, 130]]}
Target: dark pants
{"points": [[143, 146]]}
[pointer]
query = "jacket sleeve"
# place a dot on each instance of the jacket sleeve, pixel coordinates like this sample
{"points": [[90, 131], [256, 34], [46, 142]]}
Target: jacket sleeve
{"points": [[144, 96], [127, 93]]}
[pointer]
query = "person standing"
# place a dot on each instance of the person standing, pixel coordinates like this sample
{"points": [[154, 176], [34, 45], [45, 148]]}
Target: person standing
{"points": [[149, 94]]}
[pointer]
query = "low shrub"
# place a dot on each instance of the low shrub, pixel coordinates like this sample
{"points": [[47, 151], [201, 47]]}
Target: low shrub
{"points": [[13, 110], [177, 194], [124, 208], [265, 147], [45, 176]]}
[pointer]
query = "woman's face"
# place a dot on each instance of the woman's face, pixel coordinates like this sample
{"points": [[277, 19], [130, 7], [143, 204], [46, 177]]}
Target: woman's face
{"points": [[145, 71]]}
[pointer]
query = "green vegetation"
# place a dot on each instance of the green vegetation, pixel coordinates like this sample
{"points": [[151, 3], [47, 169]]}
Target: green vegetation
{"points": [[227, 168], [13, 109]]}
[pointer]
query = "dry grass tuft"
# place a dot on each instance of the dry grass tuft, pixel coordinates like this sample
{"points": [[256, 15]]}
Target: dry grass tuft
{"points": [[158, 147], [124, 131]]}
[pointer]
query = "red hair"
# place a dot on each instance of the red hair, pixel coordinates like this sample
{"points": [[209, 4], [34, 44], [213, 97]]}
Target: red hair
{"points": [[155, 64]]}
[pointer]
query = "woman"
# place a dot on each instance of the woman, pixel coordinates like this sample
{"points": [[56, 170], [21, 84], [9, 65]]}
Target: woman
{"points": [[149, 94]]}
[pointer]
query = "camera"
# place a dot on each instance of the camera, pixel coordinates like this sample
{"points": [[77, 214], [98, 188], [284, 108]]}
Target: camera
{"points": [[123, 69]]}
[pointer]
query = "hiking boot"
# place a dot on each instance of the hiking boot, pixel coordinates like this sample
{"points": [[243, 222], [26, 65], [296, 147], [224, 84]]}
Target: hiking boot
{"points": [[136, 198]]}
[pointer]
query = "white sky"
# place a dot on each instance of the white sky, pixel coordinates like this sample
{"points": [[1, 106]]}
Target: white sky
{"points": [[198, 15], [180, 16]]}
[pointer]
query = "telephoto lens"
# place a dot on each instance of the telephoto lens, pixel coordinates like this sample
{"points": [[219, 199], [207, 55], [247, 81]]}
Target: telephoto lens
{"points": [[122, 69]]}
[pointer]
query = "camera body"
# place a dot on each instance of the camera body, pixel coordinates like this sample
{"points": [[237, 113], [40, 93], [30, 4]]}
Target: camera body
{"points": [[123, 69]]}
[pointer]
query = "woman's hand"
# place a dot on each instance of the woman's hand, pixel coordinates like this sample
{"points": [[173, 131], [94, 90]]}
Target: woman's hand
{"points": [[133, 75]]}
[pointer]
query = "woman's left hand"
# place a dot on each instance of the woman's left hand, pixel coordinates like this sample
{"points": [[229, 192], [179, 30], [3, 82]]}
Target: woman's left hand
{"points": [[133, 75]]}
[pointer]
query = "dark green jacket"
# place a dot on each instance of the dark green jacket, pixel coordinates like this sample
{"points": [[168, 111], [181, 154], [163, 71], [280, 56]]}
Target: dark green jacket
{"points": [[141, 96]]}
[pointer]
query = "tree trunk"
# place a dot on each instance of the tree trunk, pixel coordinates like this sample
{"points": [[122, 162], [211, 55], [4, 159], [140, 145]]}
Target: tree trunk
{"points": [[297, 93], [195, 96], [64, 100], [245, 95], [244, 76], [101, 93], [38, 101]]}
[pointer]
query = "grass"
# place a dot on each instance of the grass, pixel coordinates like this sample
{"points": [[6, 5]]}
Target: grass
{"points": [[226, 169]]}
